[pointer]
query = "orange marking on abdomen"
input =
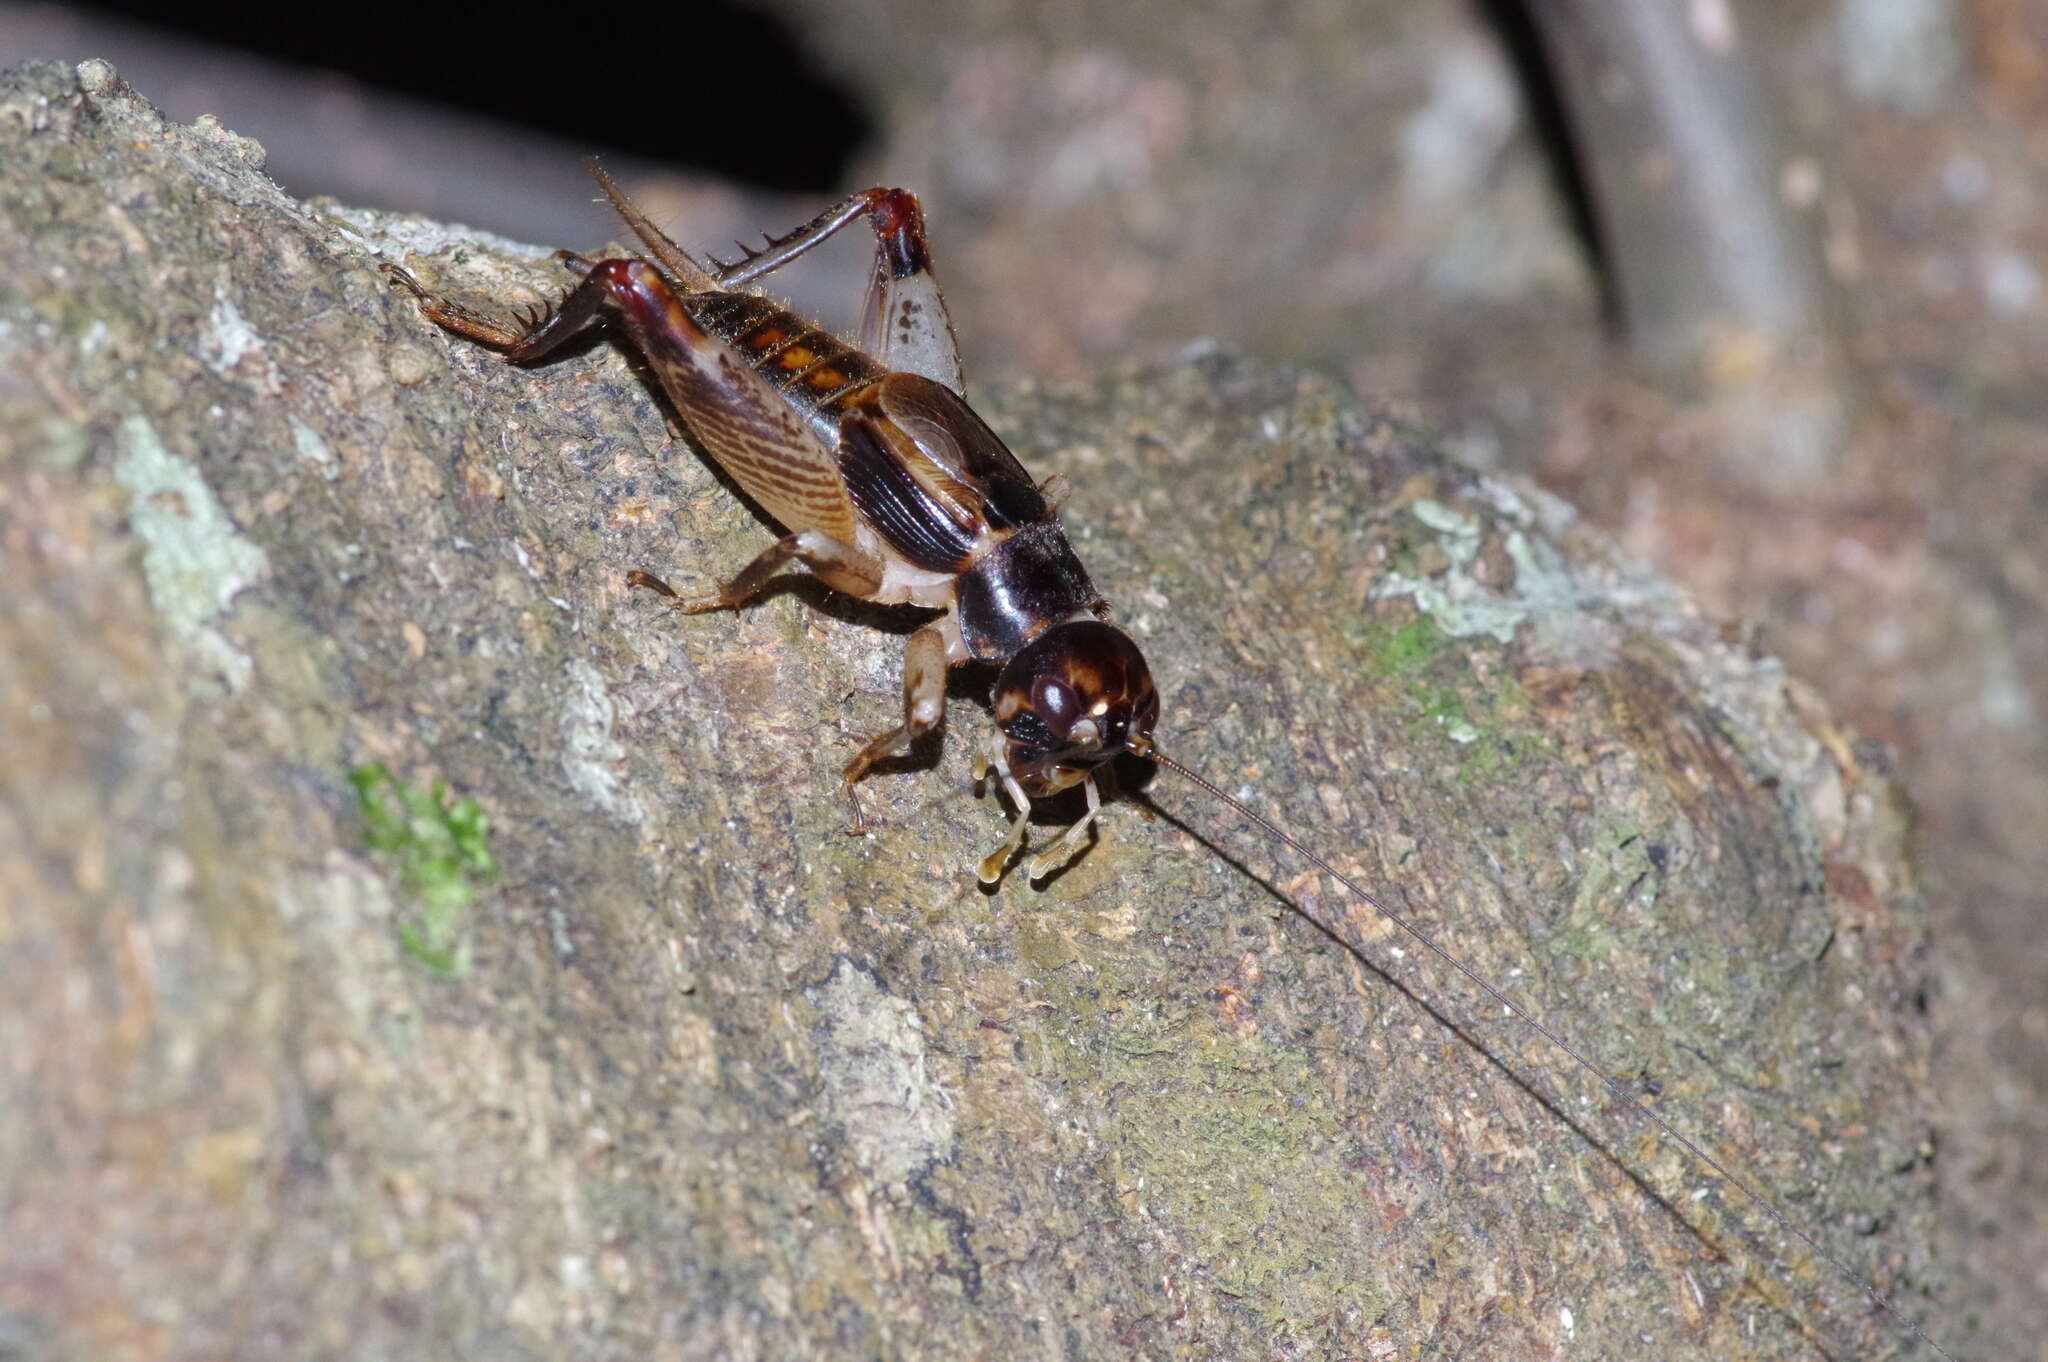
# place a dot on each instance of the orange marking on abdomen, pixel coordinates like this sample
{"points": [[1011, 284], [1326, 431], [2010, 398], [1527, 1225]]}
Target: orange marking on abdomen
{"points": [[825, 378], [796, 357]]}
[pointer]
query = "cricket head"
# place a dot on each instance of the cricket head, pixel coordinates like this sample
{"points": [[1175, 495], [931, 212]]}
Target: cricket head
{"points": [[1071, 699]]}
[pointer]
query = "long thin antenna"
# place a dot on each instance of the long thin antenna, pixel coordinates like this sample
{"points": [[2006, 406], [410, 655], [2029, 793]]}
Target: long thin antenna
{"points": [[1621, 1091]]}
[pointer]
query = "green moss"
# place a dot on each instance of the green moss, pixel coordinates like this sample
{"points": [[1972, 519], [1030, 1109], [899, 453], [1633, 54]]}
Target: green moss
{"points": [[1210, 1133], [1408, 648], [1431, 684], [441, 851]]}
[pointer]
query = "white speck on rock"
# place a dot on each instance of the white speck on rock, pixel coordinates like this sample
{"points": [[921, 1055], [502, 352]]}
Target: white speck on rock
{"points": [[228, 339], [312, 446], [1464, 607]]}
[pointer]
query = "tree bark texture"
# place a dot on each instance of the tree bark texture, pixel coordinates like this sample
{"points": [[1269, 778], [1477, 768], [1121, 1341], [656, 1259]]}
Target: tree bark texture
{"points": [[719, 1081]]}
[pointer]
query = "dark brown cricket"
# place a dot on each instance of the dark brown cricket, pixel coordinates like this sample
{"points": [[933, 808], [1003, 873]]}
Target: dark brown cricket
{"points": [[894, 490], [890, 486]]}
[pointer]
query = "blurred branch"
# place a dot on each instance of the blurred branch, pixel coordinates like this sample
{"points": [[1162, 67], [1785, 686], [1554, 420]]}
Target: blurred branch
{"points": [[1721, 286]]}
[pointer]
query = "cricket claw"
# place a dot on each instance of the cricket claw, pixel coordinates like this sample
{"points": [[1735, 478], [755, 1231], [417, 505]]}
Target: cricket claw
{"points": [[990, 872], [859, 826], [674, 600], [1061, 852]]}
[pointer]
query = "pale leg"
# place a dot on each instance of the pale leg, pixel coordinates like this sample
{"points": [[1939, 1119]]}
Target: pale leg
{"points": [[1060, 852]]}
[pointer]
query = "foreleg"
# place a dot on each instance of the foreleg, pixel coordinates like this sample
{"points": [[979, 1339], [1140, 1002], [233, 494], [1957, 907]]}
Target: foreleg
{"points": [[991, 868], [1060, 852]]}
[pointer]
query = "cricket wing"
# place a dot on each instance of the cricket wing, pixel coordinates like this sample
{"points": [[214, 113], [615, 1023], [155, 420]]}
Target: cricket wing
{"points": [[963, 461], [929, 475], [733, 413]]}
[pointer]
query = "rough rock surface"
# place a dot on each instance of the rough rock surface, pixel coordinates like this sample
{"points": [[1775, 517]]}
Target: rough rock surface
{"points": [[721, 1082]]}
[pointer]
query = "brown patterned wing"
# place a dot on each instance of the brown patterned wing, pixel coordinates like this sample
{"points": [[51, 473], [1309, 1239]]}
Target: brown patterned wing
{"points": [[924, 515], [732, 411], [929, 476], [964, 463]]}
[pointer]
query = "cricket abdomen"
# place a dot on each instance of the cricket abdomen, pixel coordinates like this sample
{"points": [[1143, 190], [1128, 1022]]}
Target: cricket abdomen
{"points": [[813, 370]]}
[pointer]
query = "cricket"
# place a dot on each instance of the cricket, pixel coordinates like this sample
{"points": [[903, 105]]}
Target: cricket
{"points": [[891, 489]]}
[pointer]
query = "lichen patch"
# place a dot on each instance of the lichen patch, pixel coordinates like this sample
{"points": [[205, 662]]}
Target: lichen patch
{"points": [[879, 1086], [592, 757]]}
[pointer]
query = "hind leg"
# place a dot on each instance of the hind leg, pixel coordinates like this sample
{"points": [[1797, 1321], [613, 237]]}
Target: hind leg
{"points": [[904, 323]]}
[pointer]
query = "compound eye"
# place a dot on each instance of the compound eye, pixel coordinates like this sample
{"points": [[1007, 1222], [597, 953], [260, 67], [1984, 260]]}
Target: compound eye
{"points": [[1054, 701]]}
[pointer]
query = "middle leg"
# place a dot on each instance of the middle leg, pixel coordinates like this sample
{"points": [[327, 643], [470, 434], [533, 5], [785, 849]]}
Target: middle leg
{"points": [[924, 705]]}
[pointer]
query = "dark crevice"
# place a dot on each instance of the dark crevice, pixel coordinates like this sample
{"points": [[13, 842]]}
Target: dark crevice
{"points": [[1522, 44], [715, 86]]}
